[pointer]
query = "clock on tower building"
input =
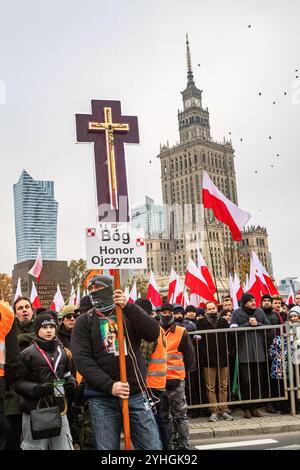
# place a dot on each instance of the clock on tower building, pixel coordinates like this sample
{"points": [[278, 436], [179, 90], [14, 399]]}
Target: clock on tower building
{"points": [[193, 121]]}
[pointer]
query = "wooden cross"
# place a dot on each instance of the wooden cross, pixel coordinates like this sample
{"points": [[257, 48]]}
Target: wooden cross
{"points": [[109, 138]]}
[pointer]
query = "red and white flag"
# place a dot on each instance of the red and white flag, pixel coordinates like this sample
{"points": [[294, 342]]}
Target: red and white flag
{"points": [[257, 286], [195, 280], [34, 298], [236, 290], [73, 299], [38, 266], [126, 292], [58, 301], [176, 288], [18, 290], [172, 285], [78, 296], [133, 294], [153, 292], [291, 298], [185, 300], [195, 300], [224, 209], [206, 274], [264, 276]]}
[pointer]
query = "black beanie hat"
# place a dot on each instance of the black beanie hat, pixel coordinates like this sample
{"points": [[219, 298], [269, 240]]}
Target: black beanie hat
{"points": [[166, 307], [266, 296], [145, 304], [246, 297], [43, 319]]}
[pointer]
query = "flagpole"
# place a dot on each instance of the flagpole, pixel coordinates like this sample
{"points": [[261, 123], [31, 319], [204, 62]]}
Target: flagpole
{"points": [[122, 363], [210, 253]]}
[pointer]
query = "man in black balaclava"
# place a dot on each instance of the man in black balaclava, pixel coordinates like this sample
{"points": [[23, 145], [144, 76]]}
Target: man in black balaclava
{"points": [[96, 356], [251, 352], [180, 360]]}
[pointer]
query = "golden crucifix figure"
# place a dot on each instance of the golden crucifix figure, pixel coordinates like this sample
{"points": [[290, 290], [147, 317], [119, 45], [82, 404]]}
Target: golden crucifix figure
{"points": [[109, 127]]}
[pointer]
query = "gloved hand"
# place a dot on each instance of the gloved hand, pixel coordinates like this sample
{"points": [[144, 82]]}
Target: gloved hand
{"points": [[44, 389], [70, 387]]}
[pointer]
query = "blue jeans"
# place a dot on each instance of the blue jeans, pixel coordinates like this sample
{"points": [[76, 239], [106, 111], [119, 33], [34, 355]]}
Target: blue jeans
{"points": [[106, 414]]}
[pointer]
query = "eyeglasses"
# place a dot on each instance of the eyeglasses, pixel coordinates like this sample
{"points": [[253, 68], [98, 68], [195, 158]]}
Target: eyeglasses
{"points": [[69, 316]]}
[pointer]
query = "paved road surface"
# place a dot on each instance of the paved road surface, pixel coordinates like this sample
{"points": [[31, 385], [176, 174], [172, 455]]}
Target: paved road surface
{"points": [[284, 441]]}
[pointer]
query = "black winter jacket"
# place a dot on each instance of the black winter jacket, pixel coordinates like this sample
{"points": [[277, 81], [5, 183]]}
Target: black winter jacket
{"points": [[214, 347], [34, 370], [101, 368]]}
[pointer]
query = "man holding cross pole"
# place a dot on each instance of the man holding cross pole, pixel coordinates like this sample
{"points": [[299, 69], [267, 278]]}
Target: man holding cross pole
{"points": [[106, 340], [95, 352]]}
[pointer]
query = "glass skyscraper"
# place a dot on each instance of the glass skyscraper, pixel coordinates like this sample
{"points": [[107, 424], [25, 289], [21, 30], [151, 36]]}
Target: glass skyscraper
{"points": [[35, 218], [148, 216]]}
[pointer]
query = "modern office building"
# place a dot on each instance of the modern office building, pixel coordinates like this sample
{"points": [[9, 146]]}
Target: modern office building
{"points": [[35, 218], [148, 216]]}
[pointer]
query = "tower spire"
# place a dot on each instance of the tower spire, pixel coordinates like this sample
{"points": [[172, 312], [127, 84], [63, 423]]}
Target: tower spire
{"points": [[190, 75]]}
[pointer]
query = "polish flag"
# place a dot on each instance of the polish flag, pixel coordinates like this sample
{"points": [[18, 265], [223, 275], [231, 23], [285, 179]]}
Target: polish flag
{"points": [[256, 281], [126, 292], [172, 285], [236, 290], [153, 292], [291, 298], [224, 209], [58, 301], [247, 283], [34, 298], [195, 280], [206, 274], [73, 298], [264, 276], [195, 300], [133, 294], [78, 296], [38, 266], [18, 290], [186, 300]]}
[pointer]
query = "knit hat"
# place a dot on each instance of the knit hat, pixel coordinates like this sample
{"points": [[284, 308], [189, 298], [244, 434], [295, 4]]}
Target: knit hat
{"points": [[66, 310], [43, 319], [265, 297], [190, 308], [145, 304], [166, 306], [295, 310], [246, 297], [177, 308], [100, 280]]}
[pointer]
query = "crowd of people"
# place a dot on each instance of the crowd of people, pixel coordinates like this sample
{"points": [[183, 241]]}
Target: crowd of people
{"points": [[175, 357]]}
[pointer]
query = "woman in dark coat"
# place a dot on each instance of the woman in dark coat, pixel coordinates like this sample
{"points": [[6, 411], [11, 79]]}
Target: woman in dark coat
{"points": [[44, 372]]}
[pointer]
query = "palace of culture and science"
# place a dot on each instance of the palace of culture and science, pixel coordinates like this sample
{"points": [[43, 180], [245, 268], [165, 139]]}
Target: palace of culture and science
{"points": [[186, 227]]}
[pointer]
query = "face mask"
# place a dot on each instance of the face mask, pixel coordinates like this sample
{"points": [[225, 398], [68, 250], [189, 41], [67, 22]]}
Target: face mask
{"points": [[103, 299], [179, 319], [167, 320]]}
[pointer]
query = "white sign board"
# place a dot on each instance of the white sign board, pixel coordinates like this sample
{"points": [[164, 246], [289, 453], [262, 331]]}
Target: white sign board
{"points": [[115, 246]]}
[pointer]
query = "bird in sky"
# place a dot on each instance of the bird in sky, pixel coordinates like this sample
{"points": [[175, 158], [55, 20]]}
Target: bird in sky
{"points": [[270, 137], [249, 25], [259, 93]]}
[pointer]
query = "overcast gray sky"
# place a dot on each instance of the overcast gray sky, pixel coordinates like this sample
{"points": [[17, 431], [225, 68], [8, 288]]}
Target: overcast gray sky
{"points": [[56, 56]]}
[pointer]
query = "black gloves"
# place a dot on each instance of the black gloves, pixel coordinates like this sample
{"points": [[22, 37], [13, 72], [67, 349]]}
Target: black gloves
{"points": [[44, 389], [70, 387]]}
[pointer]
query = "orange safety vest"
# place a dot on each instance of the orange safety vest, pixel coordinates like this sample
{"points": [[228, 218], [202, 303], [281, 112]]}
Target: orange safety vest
{"points": [[6, 322], [175, 364], [157, 367]]}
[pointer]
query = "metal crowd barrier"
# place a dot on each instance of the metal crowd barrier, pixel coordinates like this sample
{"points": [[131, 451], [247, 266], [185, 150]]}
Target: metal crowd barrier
{"points": [[239, 374]]}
